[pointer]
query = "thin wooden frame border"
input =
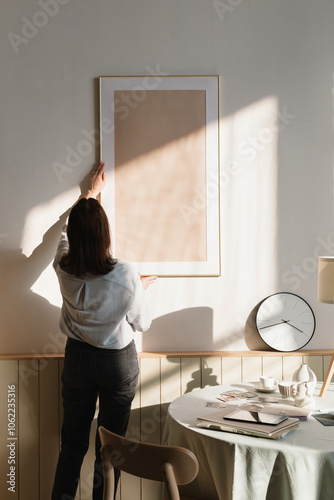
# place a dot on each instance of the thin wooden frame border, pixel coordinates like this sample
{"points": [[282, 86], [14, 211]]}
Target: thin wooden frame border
{"points": [[212, 267]]}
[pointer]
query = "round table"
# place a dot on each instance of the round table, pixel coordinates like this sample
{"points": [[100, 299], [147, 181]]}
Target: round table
{"points": [[297, 466]]}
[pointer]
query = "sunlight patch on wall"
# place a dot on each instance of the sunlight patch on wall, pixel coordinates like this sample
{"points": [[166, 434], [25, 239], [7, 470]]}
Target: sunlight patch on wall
{"points": [[333, 135], [39, 221], [47, 286], [249, 166], [40, 218]]}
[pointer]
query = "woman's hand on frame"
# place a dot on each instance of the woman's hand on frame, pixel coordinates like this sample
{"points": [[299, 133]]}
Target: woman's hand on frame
{"points": [[97, 181]]}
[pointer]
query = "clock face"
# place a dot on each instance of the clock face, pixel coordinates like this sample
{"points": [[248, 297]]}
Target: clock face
{"points": [[285, 321]]}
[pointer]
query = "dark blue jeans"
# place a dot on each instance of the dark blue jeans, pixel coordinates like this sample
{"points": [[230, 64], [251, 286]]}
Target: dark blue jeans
{"points": [[91, 372]]}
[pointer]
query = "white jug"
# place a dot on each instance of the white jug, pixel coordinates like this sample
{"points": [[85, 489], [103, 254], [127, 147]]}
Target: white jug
{"points": [[305, 374]]}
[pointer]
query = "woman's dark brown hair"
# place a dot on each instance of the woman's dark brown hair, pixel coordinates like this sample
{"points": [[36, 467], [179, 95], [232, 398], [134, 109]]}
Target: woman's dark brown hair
{"points": [[89, 240]]}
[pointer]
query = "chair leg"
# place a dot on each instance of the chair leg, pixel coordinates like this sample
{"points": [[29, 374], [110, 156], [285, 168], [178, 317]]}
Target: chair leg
{"points": [[108, 475], [328, 378], [170, 483]]}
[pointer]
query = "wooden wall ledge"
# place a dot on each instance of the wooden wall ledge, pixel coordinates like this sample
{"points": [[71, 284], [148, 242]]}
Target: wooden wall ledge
{"points": [[184, 354], [201, 354]]}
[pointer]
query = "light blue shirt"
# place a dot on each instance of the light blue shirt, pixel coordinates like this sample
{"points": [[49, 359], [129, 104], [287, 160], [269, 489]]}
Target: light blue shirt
{"points": [[103, 310]]}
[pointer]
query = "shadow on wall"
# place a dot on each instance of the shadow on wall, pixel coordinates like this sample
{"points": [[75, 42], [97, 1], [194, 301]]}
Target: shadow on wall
{"points": [[29, 321], [197, 377], [252, 337], [192, 323], [164, 335]]}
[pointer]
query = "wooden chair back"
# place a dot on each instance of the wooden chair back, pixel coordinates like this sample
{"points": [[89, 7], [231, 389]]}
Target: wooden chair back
{"points": [[171, 465]]}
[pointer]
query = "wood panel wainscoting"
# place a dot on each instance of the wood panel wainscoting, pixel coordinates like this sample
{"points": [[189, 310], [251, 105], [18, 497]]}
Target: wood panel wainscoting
{"points": [[34, 383]]}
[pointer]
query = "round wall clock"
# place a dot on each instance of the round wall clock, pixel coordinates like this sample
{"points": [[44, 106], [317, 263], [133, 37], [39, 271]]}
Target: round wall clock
{"points": [[285, 321]]}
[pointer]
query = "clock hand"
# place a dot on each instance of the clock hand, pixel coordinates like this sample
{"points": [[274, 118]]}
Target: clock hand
{"points": [[274, 324], [293, 326]]}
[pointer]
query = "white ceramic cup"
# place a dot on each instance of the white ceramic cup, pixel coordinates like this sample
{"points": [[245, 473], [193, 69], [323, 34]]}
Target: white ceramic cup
{"points": [[286, 388], [267, 382]]}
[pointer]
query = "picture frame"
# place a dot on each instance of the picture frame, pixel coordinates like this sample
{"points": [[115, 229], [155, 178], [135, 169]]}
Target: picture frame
{"points": [[159, 139]]}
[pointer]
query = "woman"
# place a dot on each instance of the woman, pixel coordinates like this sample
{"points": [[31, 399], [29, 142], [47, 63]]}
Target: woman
{"points": [[103, 304]]}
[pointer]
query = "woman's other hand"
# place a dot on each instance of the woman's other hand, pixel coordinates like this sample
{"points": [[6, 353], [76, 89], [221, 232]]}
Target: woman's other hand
{"points": [[147, 280], [97, 181]]}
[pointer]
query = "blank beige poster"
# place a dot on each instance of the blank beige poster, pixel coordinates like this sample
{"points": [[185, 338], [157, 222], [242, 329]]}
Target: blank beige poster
{"points": [[160, 168]]}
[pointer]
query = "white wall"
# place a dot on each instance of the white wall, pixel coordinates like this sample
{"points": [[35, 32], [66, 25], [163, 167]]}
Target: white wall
{"points": [[275, 59]]}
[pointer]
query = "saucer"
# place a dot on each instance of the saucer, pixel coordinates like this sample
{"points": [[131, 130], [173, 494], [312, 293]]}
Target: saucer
{"points": [[259, 388]]}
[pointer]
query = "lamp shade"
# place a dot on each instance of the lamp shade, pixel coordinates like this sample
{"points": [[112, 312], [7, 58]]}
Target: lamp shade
{"points": [[326, 280]]}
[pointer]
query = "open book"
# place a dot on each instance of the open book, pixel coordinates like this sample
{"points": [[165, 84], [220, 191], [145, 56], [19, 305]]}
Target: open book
{"points": [[288, 410], [216, 421]]}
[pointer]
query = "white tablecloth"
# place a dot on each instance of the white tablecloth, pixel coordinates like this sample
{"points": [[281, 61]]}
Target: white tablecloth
{"points": [[298, 466]]}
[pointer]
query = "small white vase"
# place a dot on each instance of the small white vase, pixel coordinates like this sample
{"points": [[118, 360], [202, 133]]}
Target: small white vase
{"points": [[305, 374]]}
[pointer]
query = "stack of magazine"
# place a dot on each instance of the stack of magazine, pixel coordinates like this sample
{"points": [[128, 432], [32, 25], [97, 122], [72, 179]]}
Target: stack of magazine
{"points": [[271, 422]]}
